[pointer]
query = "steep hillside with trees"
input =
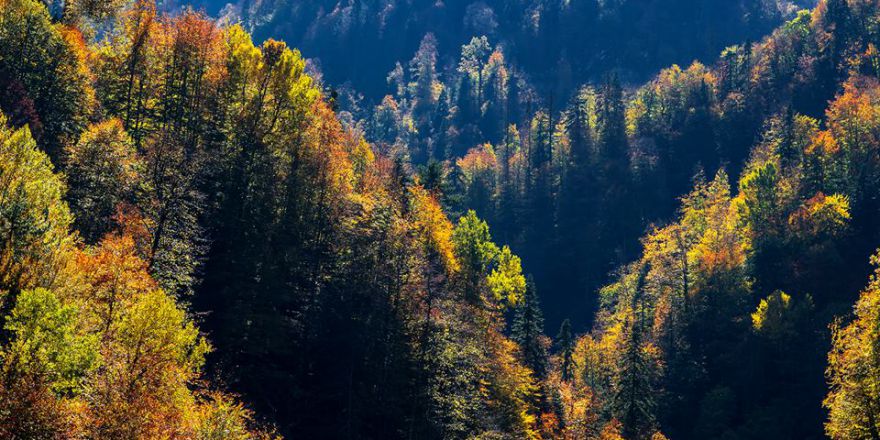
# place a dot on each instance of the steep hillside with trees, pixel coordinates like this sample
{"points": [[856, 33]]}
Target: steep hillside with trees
{"points": [[558, 44], [720, 328], [204, 180], [199, 241]]}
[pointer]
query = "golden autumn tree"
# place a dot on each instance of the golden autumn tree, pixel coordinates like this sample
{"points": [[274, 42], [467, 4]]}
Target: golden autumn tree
{"points": [[34, 220], [91, 346], [853, 400]]}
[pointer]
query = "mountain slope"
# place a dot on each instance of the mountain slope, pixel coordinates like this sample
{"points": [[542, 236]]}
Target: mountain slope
{"points": [[558, 44]]}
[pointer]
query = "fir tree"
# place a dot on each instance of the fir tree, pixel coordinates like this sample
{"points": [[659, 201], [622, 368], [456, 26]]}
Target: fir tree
{"points": [[527, 330], [633, 403], [565, 340]]}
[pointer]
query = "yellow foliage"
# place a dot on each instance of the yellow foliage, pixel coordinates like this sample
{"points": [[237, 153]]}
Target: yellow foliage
{"points": [[511, 385], [723, 246], [33, 217], [219, 417], [820, 215], [434, 229], [775, 304], [853, 369], [506, 280]]}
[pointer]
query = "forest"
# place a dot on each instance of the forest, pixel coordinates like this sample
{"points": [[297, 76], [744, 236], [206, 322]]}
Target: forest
{"points": [[528, 219]]}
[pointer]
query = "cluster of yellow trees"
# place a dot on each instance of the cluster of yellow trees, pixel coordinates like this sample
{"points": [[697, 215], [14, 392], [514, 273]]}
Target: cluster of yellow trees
{"points": [[119, 156], [682, 314], [173, 156], [92, 346]]}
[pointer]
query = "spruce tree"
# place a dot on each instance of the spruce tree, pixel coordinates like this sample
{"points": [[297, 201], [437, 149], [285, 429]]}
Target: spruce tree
{"points": [[634, 404], [611, 127], [565, 341], [527, 329]]}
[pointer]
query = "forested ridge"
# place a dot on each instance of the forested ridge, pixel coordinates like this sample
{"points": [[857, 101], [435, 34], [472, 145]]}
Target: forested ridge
{"points": [[201, 239], [558, 44]]}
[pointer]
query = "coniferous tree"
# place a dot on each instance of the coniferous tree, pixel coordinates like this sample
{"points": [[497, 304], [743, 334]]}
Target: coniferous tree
{"points": [[634, 403], [565, 341], [528, 330], [576, 227], [611, 129]]}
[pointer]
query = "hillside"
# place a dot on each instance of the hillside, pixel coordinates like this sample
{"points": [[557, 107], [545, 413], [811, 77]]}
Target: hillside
{"points": [[202, 240], [559, 45]]}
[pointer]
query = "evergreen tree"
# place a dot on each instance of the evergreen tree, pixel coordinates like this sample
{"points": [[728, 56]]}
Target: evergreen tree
{"points": [[528, 331], [634, 401], [576, 217], [611, 129], [566, 342]]}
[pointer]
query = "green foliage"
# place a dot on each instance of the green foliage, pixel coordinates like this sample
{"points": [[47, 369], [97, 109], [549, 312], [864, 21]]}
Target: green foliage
{"points": [[33, 219], [475, 250], [46, 344], [45, 63], [527, 330], [103, 171], [484, 264], [341, 299]]}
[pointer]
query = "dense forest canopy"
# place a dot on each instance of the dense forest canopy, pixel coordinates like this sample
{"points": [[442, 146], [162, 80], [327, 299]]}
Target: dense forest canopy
{"points": [[203, 238], [397, 72], [559, 44]]}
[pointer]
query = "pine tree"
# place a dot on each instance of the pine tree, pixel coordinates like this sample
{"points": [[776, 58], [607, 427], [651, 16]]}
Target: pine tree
{"points": [[611, 128], [466, 113], [576, 218], [528, 329], [441, 146], [633, 401], [565, 341]]}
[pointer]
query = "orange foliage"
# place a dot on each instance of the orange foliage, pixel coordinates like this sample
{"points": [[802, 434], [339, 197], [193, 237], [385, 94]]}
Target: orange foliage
{"points": [[823, 143], [199, 40], [477, 161], [329, 141], [854, 115], [114, 275], [434, 229], [611, 431], [821, 215], [549, 424], [131, 223]]}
